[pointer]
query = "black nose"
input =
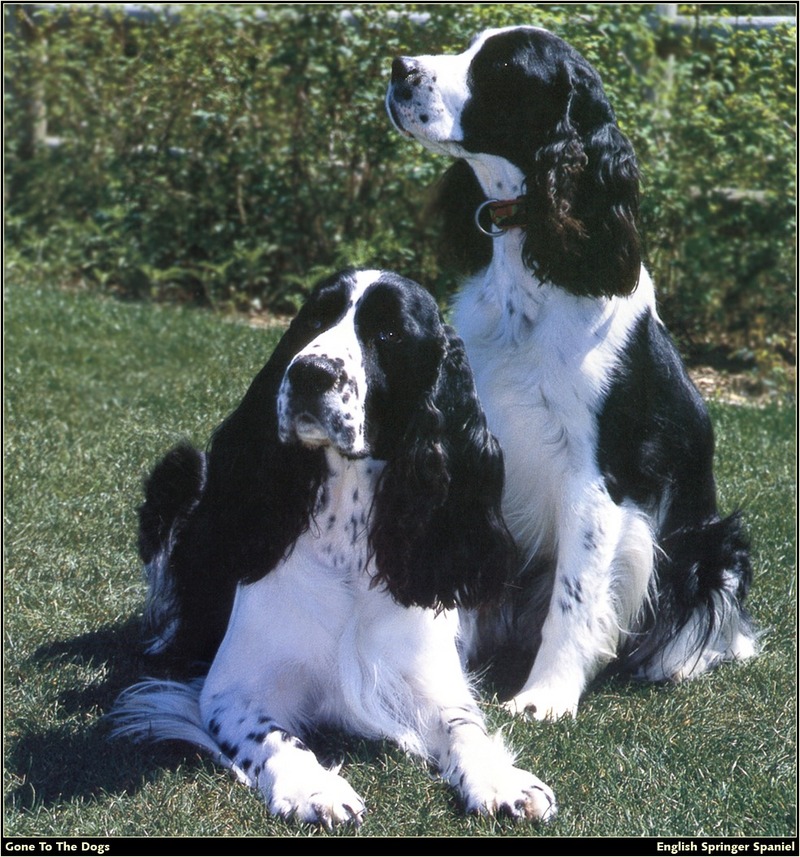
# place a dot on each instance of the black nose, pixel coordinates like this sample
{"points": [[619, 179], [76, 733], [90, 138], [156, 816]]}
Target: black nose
{"points": [[404, 68], [313, 376]]}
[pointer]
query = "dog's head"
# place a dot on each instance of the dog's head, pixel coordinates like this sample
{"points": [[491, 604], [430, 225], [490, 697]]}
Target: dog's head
{"points": [[529, 115], [368, 368], [369, 347]]}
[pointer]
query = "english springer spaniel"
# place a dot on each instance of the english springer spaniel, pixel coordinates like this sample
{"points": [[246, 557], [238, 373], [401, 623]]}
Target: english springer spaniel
{"points": [[341, 513], [609, 493]]}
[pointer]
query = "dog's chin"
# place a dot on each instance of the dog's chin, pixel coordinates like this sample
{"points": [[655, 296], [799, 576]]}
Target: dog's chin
{"points": [[309, 432], [394, 116], [439, 144]]}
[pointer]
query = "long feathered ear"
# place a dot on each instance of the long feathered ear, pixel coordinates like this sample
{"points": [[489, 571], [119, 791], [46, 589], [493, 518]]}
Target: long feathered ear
{"points": [[258, 496], [583, 196], [263, 491], [437, 533]]}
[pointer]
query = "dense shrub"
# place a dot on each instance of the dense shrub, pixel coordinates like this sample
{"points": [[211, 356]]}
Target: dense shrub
{"points": [[721, 188], [230, 153]]}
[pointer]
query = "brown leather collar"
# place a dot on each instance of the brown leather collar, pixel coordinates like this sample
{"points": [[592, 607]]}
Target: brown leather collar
{"points": [[503, 214]]}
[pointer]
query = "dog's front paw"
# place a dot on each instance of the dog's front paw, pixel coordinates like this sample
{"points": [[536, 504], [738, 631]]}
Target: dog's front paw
{"points": [[511, 792], [324, 798], [541, 703]]}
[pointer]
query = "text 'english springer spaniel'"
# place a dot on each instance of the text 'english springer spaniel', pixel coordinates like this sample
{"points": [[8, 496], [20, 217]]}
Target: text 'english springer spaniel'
{"points": [[341, 513], [610, 492]]}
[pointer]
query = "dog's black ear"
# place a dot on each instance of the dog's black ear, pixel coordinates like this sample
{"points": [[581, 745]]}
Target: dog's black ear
{"points": [[582, 195], [258, 495], [260, 491], [437, 535]]}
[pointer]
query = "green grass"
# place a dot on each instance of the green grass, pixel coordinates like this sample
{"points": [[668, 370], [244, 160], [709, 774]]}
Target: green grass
{"points": [[95, 391]]}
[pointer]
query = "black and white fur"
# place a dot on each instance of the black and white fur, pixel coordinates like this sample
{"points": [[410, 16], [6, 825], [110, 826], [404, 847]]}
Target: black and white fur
{"points": [[608, 446], [346, 507]]}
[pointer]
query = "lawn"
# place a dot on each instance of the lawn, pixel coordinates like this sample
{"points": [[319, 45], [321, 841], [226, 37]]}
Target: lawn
{"points": [[95, 391]]}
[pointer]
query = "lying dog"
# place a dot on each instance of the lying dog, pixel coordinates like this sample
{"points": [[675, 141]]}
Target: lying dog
{"points": [[341, 513], [610, 494]]}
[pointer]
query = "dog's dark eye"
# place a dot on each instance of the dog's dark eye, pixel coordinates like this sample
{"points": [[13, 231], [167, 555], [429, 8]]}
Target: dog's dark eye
{"points": [[388, 337]]}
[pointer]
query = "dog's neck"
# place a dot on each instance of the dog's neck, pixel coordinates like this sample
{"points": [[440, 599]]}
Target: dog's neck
{"points": [[351, 483], [498, 178], [350, 479], [514, 292], [336, 542]]}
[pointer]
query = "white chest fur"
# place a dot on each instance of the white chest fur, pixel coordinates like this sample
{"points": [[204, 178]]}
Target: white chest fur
{"points": [[542, 359], [318, 640]]}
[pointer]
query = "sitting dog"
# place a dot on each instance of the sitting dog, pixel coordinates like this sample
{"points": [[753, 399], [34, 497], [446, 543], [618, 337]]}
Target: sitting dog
{"points": [[341, 513], [627, 564]]}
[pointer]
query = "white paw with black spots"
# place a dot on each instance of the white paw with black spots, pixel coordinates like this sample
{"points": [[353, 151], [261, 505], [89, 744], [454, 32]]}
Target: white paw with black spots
{"points": [[511, 792], [322, 798]]}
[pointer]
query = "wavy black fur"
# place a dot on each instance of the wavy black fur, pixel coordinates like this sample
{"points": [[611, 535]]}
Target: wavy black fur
{"points": [[581, 175], [438, 535], [256, 497], [213, 520]]}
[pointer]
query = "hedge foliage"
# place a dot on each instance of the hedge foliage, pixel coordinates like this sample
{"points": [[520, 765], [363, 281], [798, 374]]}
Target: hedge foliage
{"points": [[230, 154]]}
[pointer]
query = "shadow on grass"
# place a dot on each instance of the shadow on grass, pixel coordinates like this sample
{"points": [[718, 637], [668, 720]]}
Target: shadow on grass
{"points": [[61, 764]]}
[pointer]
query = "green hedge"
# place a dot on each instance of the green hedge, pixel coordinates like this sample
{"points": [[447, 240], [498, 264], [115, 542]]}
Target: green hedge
{"points": [[230, 154]]}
